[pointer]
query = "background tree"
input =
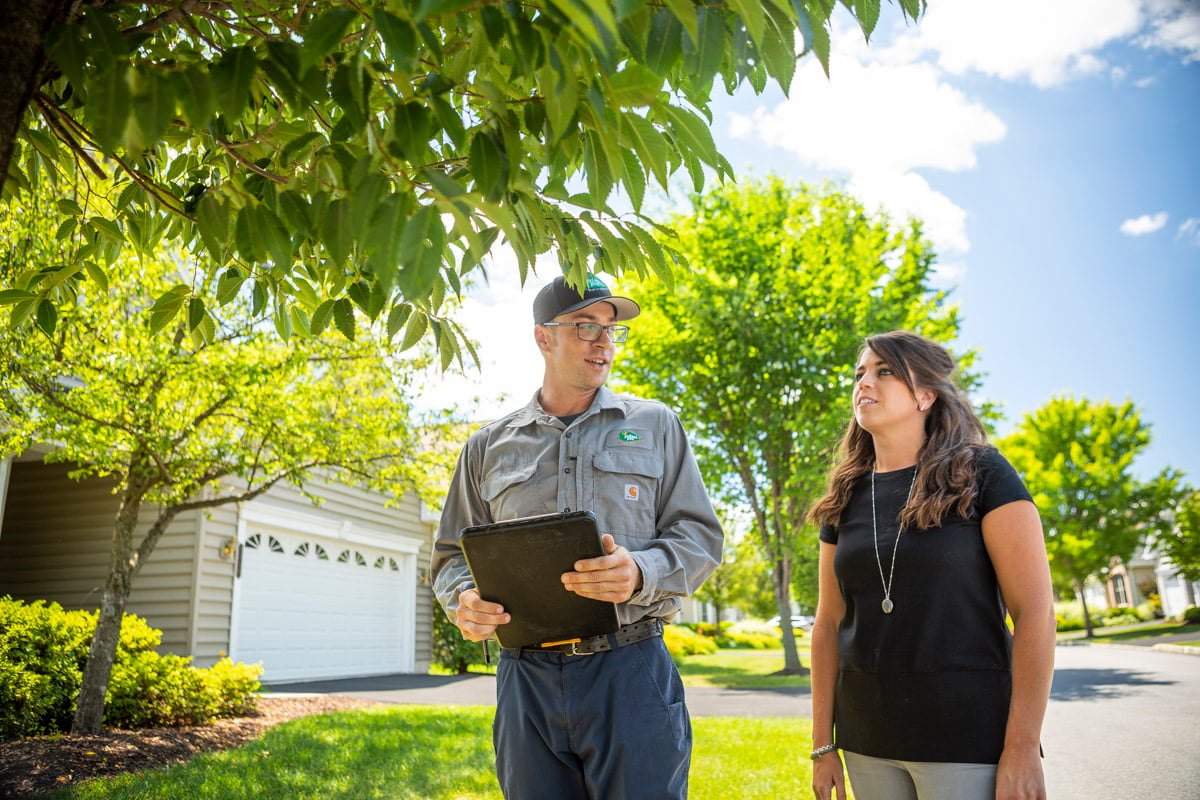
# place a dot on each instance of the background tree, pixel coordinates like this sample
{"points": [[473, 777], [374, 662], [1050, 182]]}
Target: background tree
{"points": [[185, 421], [1077, 458], [743, 580], [1180, 541], [756, 343], [345, 158]]}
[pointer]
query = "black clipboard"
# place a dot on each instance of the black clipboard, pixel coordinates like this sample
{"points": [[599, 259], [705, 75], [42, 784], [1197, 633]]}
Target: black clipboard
{"points": [[519, 564]]}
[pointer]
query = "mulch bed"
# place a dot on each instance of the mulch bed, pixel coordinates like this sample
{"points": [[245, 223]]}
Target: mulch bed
{"points": [[29, 767]]}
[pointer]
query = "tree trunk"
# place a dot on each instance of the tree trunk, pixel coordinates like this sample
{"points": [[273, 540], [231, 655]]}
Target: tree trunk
{"points": [[89, 713], [1087, 617], [23, 28], [783, 604]]}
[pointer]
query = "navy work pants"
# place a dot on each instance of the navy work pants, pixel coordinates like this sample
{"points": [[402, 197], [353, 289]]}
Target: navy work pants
{"points": [[593, 727]]}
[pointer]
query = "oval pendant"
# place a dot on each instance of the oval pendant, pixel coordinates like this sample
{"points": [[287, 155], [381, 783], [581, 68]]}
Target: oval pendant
{"points": [[887, 605]]}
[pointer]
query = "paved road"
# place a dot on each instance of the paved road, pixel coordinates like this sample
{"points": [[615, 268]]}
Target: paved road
{"points": [[1123, 722], [480, 690]]}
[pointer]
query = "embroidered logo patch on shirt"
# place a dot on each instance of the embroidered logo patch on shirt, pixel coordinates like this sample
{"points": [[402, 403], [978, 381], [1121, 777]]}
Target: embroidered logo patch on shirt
{"points": [[629, 436], [631, 492]]}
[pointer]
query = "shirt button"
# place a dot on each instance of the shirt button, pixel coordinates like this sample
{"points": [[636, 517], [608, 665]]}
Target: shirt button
{"points": [[567, 470], [567, 510]]}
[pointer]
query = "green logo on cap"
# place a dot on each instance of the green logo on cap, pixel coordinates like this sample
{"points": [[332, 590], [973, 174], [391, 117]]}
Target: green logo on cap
{"points": [[629, 436], [595, 283]]}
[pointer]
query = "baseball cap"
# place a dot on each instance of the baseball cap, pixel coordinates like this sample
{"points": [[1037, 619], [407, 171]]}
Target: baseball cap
{"points": [[557, 298]]}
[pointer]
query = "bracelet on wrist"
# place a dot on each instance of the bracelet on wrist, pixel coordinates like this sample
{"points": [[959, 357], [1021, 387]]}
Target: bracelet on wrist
{"points": [[822, 751]]}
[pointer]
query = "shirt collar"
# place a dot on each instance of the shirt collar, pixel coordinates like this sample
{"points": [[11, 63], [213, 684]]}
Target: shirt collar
{"points": [[605, 399]]}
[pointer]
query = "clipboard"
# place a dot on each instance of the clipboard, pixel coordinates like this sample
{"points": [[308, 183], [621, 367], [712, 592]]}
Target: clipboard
{"points": [[519, 564]]}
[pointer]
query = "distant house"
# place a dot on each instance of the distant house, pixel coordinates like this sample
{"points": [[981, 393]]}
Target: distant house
{"points": [[1129, 584], [327, 591]]}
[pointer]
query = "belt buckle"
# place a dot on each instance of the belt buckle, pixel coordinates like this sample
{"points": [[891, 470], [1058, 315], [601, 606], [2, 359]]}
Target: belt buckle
{"points": [[574, 645], [574, 651]]}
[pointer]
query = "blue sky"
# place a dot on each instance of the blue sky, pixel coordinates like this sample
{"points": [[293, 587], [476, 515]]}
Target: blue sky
{"points": [[1052, 148]]}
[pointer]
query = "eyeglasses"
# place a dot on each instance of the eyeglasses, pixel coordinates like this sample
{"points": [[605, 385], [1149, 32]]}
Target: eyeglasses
{"points": [[590, 331]]}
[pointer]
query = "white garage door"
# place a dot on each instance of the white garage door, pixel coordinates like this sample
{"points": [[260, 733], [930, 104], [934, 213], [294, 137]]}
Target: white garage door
{"points": [[318, 607]]}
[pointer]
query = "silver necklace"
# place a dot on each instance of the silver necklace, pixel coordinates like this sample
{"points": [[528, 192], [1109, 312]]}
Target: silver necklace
{"points": [[887, 603]]}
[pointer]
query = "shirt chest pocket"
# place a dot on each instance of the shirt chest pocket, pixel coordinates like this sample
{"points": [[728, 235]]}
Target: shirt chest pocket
{"points": [[625, 492], [514, 490]]}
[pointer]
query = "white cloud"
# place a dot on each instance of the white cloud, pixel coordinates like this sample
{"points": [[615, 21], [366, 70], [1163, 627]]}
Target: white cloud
{"points": [[880, 116], [1044, 41], [1174, 26], [1190, 229], [1147, 223], [907, 194]]}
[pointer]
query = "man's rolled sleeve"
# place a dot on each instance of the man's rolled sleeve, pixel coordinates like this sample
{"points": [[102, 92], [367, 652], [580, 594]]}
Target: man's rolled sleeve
{"points": [[463, 508]]}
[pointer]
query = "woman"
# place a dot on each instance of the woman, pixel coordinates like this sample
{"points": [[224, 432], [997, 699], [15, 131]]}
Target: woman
{"points": [[928, 538]]}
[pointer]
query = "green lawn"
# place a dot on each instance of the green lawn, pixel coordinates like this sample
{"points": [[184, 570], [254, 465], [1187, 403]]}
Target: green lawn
{"points": [[439, 753], [1122, 634], [436, 753], [1148, 632], [740, 669]]}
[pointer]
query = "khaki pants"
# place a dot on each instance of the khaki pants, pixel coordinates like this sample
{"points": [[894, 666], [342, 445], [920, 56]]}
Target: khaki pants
{"points": [[884, 779]]}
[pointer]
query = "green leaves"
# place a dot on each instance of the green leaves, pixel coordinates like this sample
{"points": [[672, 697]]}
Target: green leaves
{"points": [[167, 306], [232, 77], [317, 147]]}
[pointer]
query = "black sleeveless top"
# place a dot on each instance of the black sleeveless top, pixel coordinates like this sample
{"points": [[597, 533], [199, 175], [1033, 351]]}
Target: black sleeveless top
{"points": [[930, 681]]}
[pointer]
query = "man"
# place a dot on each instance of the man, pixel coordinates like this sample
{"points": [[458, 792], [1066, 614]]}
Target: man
{"points": [[604, 718]]}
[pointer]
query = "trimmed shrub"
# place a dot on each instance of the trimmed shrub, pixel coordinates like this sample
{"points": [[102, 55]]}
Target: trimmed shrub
{"points": [[450, 649], [682, 641], [1191, 615], [750, 641], [755, 626], [1068, 624], [42, 653], [43, 649], [1120, 616]]}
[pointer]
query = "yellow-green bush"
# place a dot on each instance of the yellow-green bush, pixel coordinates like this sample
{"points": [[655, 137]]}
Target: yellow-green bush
{"points": [[43, 649], [751, 641], [681, 641]]}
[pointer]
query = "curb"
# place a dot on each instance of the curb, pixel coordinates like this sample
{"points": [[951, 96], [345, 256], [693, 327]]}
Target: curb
{"points": [[1178, 649], [1182, 649]]}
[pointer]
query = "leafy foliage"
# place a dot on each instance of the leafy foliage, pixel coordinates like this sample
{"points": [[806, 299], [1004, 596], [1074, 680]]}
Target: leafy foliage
{"points": [[1180, 542], [205, 409], [42, 652], [450, 649], [1076, 457], [756, 344], [341, 159]]}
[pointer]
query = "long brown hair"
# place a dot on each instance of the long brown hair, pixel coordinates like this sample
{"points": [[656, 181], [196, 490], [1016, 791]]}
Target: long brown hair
{"points": [[946, 470]]}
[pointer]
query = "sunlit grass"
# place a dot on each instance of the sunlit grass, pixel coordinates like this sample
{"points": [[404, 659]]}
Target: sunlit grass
{"points": [[1147, 632], [739, 669], [436, 753], [399, 752]]}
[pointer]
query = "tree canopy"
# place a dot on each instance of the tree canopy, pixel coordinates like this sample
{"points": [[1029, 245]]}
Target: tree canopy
{"points": [[755, 344], [1180, 541], [1076, 457], [345, 158]]}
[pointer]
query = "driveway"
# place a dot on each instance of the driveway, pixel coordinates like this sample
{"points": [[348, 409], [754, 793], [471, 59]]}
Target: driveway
{"points": [[480, 690]]}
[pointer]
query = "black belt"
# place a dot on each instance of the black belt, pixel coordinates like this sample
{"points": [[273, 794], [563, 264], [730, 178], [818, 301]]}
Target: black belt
{"points": [[630, 634]]}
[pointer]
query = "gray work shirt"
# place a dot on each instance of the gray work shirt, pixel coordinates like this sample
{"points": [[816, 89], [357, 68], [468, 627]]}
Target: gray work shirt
{"points": [[625, 459]]}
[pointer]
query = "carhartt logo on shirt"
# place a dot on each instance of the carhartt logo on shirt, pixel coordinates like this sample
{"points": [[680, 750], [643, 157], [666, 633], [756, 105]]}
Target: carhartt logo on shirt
{"points": [[631, 492], [629, 436]]}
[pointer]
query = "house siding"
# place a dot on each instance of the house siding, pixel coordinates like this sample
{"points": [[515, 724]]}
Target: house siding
{"points": [[56, 543], [56, 537]]}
